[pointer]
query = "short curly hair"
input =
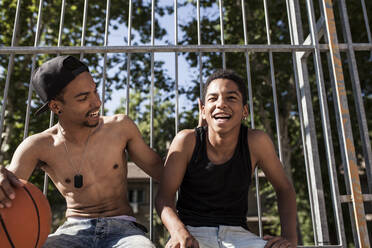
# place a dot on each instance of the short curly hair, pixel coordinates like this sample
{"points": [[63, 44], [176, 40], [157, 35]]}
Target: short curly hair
{"points": [[227, 74]]}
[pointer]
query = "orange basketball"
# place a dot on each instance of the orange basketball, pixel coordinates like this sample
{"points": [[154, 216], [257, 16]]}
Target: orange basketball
{"points": [[27, 222]]}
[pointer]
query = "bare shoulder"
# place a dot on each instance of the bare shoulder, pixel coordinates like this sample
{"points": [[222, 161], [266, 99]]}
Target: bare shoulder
{"points": [[120, 123], [183, 145], [32, 149], [185, 138], [258, 137], [117, 120], [186, 134], [260, 143], [40, 140]]}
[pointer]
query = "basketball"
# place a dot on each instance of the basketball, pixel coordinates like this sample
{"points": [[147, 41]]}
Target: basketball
{"points": [[27, 222]]}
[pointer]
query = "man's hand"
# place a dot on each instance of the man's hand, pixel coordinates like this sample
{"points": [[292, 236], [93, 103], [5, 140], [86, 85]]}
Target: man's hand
{"points": [[275, 242], [7, 181], [183, 239]]}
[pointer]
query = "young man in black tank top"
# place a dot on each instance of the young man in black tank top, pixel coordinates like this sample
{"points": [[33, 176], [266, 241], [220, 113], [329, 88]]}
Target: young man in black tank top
{"points": [[212, 167]]}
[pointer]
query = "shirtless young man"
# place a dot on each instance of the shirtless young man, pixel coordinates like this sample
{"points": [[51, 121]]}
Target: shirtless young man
{"points": [[84, 155], [212, 166]]}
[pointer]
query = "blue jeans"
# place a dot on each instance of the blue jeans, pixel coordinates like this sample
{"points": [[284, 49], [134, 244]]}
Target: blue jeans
{"points": [[98, 232], [225, 237]]}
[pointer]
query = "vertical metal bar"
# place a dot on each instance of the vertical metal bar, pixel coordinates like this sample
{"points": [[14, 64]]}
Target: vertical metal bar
{"points": [[365, 16], [10, 69], [30, 88], [331, 163], [324, 239], [273, 83], [82, 42], [108, 4], [220, 3], [176, 65], [46, 177], [152, 111], [344, 126], [61, 22], [292, 27], [200, 53], [51, 118], [335, 193], [250, 98], [312, 161], [358, 99], [128, 58]]}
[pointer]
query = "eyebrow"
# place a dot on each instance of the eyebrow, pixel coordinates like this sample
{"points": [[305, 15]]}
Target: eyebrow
{"points": [[234, 92], [84, 93], [81, 94]]}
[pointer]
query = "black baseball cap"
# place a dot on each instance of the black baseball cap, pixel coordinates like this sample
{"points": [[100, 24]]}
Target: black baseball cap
{"points": [[54, 75]]}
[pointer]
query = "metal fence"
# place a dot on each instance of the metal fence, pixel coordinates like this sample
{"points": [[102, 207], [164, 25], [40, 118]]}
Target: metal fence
{"points": [[302, 45]]}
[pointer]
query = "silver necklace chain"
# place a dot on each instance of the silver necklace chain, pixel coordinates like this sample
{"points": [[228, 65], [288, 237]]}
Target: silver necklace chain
{"points": [[76, 169]]}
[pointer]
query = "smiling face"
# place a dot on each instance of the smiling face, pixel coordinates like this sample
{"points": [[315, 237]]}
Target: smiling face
{"points": [[80, 102], [223, 107]]}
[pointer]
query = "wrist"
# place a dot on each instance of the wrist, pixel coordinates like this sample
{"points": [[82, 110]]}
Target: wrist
{"points": [[179, 230]]}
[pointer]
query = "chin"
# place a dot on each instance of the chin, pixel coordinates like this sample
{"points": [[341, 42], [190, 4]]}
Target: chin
{"points": [[88, 124], [226, 126]]}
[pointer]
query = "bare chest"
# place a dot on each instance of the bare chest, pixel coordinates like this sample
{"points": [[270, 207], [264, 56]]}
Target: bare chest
{"points": [[71, 167]]}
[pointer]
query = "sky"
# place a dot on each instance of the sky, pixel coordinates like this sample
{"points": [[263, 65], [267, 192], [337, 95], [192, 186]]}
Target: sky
{"points": [[185, 73]]}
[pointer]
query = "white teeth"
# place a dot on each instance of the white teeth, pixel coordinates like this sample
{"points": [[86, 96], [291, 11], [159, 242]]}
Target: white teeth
{"points": [[94, 114], [221, 116]]}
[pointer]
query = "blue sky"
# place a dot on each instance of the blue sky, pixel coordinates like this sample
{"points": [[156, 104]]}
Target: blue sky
{"points": [[185, 73]]}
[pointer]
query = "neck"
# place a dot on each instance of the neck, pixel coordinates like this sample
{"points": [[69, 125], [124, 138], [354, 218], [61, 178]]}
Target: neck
{"points": [[223, 142], [76, 134]]}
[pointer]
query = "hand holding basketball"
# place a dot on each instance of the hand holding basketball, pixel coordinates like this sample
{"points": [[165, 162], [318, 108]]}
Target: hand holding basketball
{"points": [[7, 181], [27, 222]]}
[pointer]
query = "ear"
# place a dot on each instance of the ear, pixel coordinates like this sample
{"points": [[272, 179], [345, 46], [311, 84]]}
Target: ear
{"points": [[55, 106], [245, 111], [202, 110]]}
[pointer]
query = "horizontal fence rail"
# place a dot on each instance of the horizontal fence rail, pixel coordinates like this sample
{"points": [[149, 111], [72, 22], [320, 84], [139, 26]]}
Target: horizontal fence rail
{"points": [[178, 48]]}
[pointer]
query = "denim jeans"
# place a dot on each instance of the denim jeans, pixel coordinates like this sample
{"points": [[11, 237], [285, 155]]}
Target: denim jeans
{"points": [[98, 232], [225, 237]]}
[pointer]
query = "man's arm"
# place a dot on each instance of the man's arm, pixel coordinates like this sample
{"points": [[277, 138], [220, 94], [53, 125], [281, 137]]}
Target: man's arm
{"points": [[22, 165], [264, 151], [179, 155], [140, 153]]}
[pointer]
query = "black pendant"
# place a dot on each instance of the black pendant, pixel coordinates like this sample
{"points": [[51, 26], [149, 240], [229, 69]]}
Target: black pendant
{"points": [[78, 181]]}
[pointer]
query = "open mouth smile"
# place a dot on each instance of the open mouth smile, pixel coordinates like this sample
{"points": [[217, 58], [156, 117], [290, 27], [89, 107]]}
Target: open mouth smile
{"points": [[93, 114], [221, 116]]}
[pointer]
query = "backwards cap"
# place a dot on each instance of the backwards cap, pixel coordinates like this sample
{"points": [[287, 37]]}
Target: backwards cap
{"points": [[54, 75]]}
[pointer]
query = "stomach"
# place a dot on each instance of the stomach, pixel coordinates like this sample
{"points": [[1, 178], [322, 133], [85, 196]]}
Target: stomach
{"points": [[109, 207], [98, 201]]}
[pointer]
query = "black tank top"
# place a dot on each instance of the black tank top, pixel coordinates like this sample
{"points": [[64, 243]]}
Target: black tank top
{"points": [[213, 195]]}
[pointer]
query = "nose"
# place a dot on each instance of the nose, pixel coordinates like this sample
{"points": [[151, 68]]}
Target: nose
{"points": [[96, 101], [221, 103]]}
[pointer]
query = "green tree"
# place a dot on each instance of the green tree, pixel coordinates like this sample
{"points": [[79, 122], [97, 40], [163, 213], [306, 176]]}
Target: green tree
{"points": [[164, 122]]}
